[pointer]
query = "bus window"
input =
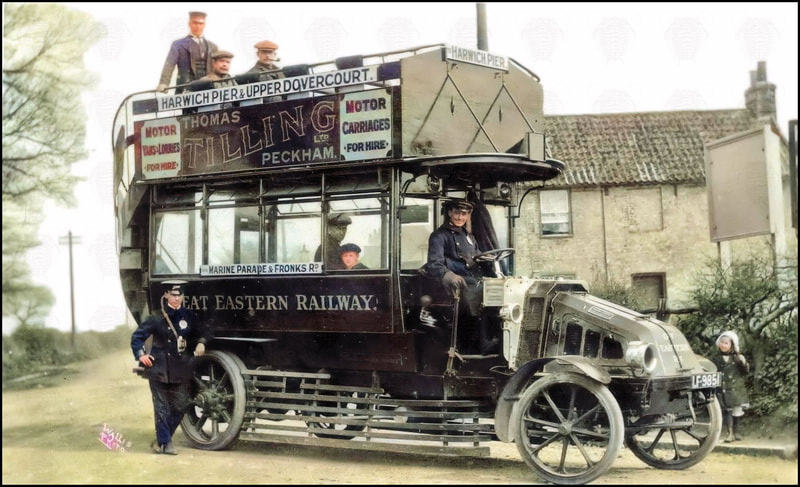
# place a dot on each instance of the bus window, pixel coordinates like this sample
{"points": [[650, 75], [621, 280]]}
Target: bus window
{"points": [[292, 231], [415, 229], [368, 228], [233, 235], [178, 242], [499, 215]]}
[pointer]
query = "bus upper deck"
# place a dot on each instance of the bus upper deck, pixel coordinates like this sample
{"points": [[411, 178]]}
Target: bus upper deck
{"points": [[210, 178]]}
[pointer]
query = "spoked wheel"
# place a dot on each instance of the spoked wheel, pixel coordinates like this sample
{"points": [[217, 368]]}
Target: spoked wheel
{"points": [[217, 390], [682, 445], [348, 411], [568, 428]]}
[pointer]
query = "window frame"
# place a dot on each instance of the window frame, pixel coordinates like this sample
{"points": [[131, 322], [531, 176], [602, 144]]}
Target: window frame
{"points": [[569, 221]]}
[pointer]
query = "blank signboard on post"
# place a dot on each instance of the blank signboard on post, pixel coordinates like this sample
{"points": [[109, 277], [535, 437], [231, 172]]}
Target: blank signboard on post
{"points": [[736, 178]]}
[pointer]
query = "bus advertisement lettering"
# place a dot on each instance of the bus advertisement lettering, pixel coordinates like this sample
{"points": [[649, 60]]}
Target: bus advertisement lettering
{"points": [[366, 131], [352, 126]]}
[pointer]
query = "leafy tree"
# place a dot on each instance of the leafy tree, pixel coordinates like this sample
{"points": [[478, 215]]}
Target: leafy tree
{"points": [[44, 121], [759, 302], [44, 125], [30, 304]]}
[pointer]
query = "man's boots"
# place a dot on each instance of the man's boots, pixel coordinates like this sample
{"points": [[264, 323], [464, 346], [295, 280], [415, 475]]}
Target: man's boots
{"points": [[728, 431]]}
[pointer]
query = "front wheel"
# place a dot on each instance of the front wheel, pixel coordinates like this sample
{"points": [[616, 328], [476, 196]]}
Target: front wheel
{"points": [[568, 428], [217, 389], [679, 446]]}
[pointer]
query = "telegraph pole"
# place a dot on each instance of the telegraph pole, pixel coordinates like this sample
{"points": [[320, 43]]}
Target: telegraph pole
{"points": [[483, 37], [69, 240]]}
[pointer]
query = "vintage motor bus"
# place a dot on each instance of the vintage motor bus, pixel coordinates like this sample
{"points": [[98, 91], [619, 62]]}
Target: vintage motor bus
{"points": [[247, 192]]}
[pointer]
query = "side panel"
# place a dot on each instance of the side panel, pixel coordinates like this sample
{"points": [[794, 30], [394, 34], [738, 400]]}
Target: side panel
{"points": [[254, 307], [500, 106]]}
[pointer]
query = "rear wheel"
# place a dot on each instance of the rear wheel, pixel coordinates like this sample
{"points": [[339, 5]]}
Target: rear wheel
{"points": [[682, 445], [217, 391], [568, 428], [346, 411]]}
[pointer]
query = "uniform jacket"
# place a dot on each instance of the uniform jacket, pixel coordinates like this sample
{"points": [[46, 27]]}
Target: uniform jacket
{"points": [[168, 365], [183, 54], [450, 249]]}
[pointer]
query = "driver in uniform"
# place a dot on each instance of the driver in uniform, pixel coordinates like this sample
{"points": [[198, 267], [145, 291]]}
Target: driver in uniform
{"points": [[451, 252]]}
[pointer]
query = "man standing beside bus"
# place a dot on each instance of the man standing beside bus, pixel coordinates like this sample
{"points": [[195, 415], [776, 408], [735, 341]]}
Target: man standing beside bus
{"points": [[177, 336], [191, 55]]}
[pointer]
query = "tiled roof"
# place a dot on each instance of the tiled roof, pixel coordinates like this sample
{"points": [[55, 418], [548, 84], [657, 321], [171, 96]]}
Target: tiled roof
{"points": [[638, 148]]}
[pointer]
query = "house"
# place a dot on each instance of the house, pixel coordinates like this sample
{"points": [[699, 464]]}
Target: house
{"points": [[632, 206]]}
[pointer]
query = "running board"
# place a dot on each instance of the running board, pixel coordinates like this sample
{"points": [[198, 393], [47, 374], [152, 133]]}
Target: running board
{"points": [[305, 409]]}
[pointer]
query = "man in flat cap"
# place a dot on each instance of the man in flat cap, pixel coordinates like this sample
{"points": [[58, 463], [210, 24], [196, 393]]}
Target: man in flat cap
{"points": [[177, 337], [337, 228], [451, 251], [349, 253], [220, 66], [191, 55], [267, 53]]}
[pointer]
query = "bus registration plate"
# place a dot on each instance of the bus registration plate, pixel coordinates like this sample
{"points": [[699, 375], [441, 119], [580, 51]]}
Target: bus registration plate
{"points": [[703, 381]]}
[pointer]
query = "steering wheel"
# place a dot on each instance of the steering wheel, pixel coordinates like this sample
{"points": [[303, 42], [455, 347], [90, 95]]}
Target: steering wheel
{"points": [[494, 255]]}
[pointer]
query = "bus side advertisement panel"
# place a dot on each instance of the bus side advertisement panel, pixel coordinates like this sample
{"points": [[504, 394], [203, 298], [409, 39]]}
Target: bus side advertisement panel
{"points": [[344, 127]]}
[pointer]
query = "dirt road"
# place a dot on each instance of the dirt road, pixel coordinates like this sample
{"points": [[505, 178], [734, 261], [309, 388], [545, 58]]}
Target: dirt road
{"points": [[53, 436]]}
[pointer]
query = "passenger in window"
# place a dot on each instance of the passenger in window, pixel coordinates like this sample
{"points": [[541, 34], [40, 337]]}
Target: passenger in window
{"points": [[349, 253], [337, 228], [451, 252]]}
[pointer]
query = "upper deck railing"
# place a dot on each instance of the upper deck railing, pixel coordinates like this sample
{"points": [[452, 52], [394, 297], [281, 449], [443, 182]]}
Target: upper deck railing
{"points": [[417, 105]]}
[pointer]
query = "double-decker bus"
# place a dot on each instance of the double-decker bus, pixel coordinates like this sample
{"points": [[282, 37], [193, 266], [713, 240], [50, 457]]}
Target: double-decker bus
{"points": [[247, 192]]}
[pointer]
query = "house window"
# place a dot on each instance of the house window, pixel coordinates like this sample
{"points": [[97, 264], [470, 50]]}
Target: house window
{"points": [[555, 212], [652, 288]]}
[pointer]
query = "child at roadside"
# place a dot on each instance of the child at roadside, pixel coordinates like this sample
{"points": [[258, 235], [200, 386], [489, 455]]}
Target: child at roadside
{"points": [[733, 397]]}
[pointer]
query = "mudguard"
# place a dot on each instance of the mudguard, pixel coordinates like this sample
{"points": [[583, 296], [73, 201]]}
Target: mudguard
{"points": [[508, 398]]}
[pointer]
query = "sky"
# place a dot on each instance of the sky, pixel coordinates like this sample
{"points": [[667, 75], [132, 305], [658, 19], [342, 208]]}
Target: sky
{"points": [[591, 58]]}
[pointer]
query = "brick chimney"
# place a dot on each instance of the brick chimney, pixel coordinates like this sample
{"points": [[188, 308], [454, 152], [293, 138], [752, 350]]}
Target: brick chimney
{"points": [[760, 97]]}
